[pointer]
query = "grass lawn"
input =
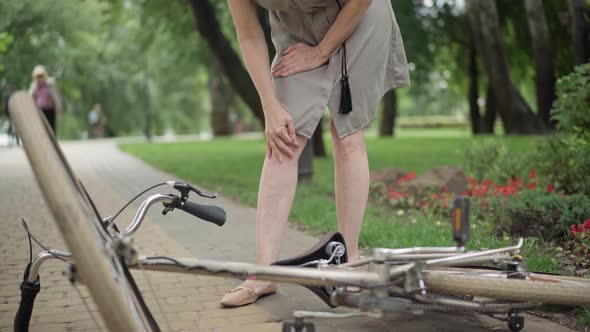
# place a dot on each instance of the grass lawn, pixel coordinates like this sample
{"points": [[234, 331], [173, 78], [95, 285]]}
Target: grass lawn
{"points": [[232, 168]]}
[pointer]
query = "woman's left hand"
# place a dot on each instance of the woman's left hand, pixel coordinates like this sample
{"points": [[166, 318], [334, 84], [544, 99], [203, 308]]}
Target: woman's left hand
{"points": [[298, 58]]}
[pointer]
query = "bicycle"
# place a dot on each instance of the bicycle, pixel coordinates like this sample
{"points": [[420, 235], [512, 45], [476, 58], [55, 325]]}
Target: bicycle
{"points": [[409, 279]]}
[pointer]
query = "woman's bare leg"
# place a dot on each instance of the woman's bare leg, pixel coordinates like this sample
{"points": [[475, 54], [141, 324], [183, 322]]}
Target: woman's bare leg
{"points": [[278, 183], [351, 173]]}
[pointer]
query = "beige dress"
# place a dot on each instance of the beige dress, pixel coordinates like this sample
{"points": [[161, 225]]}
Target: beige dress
{"points": [[375, 55]]}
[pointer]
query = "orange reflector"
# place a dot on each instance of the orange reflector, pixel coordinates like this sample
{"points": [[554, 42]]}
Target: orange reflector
{"points": [[458, 219]]}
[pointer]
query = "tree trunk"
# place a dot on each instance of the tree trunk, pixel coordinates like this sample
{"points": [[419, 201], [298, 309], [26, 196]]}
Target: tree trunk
{"points": [[474, 90], [221, 97], [517, 118], [319, 149], [210, 30], [543, 53], [580, 31], [387, 126], [488, 121], [147, 130]]}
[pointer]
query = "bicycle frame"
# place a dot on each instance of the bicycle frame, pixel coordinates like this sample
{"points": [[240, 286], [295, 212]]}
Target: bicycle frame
{"points": [[329, 275]]}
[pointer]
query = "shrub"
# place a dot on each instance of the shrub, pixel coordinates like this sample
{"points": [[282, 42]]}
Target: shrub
{"points": [[537, 213], [576, 251], [573, 100], [492, 160], [566, 157]]}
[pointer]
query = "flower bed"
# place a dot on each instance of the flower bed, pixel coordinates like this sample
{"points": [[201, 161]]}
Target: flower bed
{"points": [[531, 207], [575, 252]]}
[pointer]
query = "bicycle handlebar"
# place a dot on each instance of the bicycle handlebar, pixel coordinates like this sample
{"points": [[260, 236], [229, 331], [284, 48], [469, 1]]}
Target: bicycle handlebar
{"points": [[210, 213]]}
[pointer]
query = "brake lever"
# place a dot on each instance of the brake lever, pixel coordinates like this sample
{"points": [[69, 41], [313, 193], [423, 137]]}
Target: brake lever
{"points": [[185, 188], [172, 205]]}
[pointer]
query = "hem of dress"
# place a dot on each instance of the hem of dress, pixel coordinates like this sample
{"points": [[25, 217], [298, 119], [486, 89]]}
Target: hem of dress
{"points": [[304, 135], [303, 131]]}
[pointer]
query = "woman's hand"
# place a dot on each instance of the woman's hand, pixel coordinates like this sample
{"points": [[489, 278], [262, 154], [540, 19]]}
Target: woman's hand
{"points": [[299, 58], [280, 132]]}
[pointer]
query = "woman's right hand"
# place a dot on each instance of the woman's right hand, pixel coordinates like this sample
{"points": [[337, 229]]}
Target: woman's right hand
{"points": [[280, 132]]}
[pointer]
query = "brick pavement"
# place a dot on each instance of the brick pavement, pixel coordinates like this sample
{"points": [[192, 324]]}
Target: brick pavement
{"points": [[189, 302]]}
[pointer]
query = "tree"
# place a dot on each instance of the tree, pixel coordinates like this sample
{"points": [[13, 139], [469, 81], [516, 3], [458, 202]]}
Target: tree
{"points": [[580, 31], [543, 55], [517, 118], [488, 122], [473, 91], [387, 125], [208, 26], [220, 97]]}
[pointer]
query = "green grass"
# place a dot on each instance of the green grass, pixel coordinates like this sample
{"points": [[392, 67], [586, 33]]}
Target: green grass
{"points": [[232, 168]]}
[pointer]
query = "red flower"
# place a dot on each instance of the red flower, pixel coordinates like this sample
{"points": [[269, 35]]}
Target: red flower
{"points": [[573, 230], [394, 194], [533, 174], [407, 177], [550, 188], [580, 228], [587, 224], [532, 185]]}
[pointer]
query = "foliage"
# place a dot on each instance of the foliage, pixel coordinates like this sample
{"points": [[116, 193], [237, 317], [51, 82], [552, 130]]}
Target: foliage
{"points": [[491, 159], [536, 212], [575, 253], [573, 101], [565, 157], [130, 56], [138, 55], [565, 160]]}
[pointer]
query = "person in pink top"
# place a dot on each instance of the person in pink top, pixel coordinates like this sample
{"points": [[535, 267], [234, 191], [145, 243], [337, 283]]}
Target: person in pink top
{"points": [[46, 96]]}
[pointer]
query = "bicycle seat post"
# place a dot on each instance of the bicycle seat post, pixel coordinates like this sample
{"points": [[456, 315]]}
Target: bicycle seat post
{"points": [[460, 220]]}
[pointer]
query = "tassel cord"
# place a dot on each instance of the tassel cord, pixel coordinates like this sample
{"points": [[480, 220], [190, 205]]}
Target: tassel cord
{"points": [[345, 98]]}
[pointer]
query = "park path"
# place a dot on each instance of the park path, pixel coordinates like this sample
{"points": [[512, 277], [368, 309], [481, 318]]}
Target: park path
{"points": [[180, 302]]}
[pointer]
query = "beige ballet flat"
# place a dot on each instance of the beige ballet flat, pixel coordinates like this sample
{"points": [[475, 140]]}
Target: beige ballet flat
{"points": [[363, 268], [241, 296]]}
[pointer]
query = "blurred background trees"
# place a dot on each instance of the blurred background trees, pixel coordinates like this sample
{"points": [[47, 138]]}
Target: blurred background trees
{"points": [[161, 67]]}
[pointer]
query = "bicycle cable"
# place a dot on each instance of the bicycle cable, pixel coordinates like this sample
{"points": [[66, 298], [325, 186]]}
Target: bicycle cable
{"points": [[134, 198], [26, 227]]}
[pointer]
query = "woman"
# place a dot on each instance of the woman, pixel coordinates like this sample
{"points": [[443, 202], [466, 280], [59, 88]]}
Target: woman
{"points": [[305, 77], [46, 96]]}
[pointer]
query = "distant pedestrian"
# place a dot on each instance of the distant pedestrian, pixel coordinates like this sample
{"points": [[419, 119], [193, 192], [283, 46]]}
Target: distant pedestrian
{"points": [[97, 121], [46, 95]]}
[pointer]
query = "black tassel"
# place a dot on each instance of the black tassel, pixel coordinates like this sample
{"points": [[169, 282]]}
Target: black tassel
{"points": [[345, 98]]}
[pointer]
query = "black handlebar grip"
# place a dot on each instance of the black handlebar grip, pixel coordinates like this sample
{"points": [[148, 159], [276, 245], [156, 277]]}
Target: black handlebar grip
{"points": [[209, 213], [28, 291]]}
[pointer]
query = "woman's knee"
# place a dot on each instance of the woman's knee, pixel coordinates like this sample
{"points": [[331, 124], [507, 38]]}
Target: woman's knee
{"points": [[273, 160]]}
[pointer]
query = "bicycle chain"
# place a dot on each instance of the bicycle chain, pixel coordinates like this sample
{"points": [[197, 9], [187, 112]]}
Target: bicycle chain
{"points": [[490, 307], [485, 306]]}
